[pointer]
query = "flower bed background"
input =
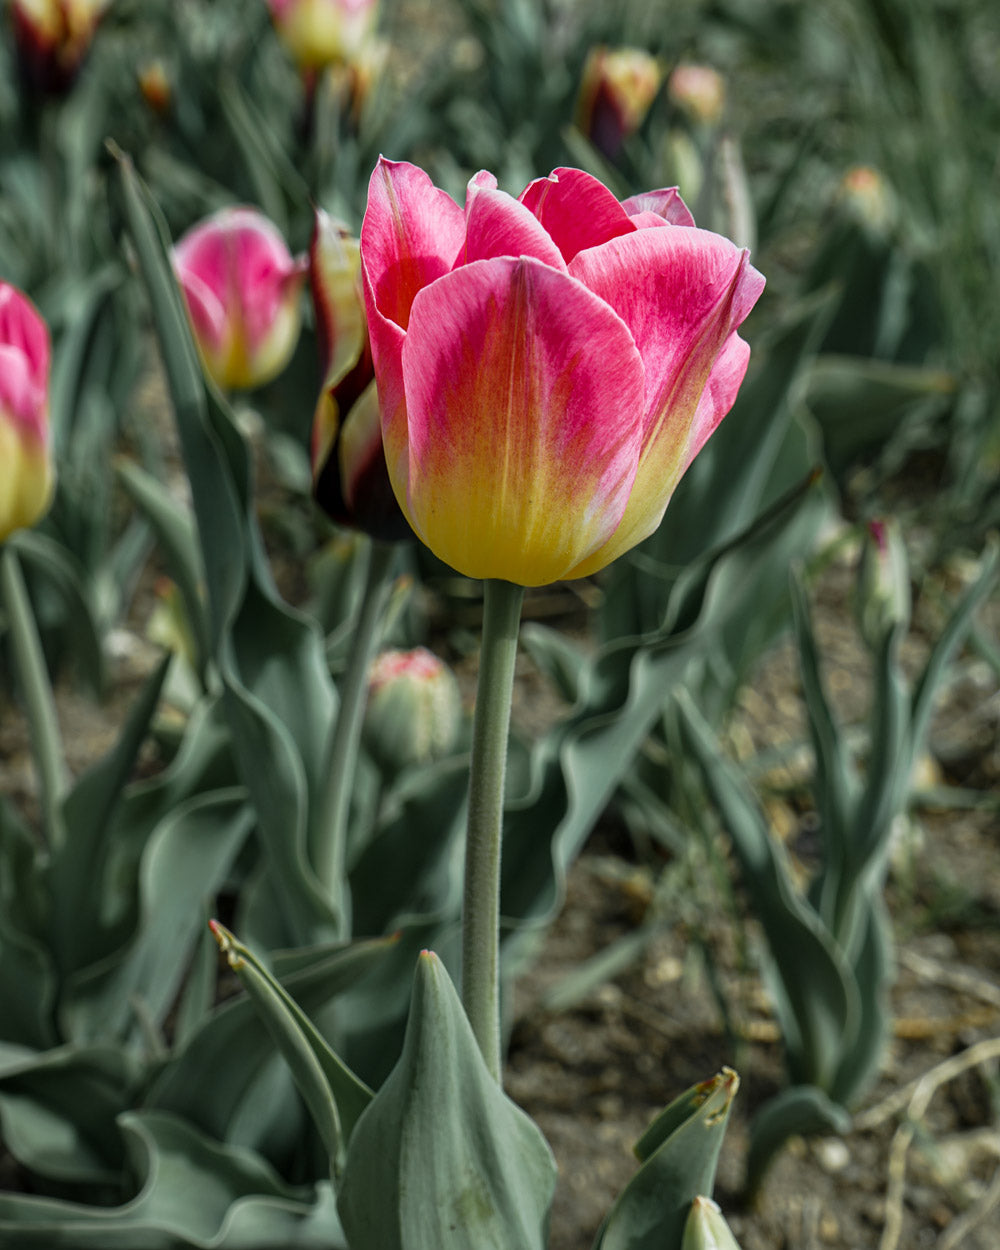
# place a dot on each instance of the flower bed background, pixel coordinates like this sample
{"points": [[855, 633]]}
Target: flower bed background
{"points": [[838, 147]]}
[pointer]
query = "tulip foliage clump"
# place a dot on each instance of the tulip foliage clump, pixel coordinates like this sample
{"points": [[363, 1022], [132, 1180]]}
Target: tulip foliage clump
{"points": [[293, 429]]}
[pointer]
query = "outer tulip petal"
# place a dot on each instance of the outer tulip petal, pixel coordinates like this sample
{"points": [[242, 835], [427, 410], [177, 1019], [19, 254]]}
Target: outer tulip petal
{"points": [[666, 205], [24, 362], [719, 394], [334, 279], [576, 209], [412, 234], [499, 225], [523, 430], [26, 473], [682, 293]]}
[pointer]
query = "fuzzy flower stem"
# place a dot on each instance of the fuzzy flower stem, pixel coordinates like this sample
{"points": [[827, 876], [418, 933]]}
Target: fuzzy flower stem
{"points": [[481, 902], [36, 689]]}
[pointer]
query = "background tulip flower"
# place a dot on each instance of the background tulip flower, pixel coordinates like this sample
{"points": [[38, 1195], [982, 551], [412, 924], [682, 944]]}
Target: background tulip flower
{"points": [[698, 91], [318, 33], [242, 290], [26, 475], [617, 89], [351, 483], [53, 37], [548, 366]]}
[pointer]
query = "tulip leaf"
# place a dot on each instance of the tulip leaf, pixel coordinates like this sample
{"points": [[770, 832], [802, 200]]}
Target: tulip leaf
{"points": [[77, 871], [191, 1193], [816, 995], [442, 1159], [679, 1152], [234, 1044], [334, 1095], [27, 974], [185, 861], [69, 579], [174, 529], [58, 1111]]}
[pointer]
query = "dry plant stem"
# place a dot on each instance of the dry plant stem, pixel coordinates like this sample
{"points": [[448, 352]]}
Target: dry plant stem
{"points": [[921, 1092], [36, 689], [481, 900], [330, 828]]}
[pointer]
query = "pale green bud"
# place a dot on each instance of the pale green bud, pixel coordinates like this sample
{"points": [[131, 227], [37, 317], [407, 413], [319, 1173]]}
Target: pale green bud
{"points": [[413, 709], [706, 1228], [883, 592]]}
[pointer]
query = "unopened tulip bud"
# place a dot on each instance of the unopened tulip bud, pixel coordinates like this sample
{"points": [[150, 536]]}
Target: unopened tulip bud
{"points": [[619, 85], [706, 1228], [699, 92], [883, 592], [154, 84], [26, 474], [413, 709], [866, 198], [351, 481], [318, 33], [242, 289], [53, 38]]}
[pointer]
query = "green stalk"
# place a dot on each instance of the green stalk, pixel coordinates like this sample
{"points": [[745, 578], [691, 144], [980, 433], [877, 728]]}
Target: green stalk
{"points": [[36, 689], [330, 827], [481, 901]]}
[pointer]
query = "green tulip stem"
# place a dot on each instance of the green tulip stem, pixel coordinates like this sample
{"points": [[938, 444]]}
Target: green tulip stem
{"points": [[330, 829], [481, 901], [36, 690]]}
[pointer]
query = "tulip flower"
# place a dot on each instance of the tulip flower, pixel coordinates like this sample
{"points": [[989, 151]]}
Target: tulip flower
{"points": [[242, 290], [26, 474], [698, 91], [548, 366], [351, 483], [616, 91], [318, 33], [53, 37]]}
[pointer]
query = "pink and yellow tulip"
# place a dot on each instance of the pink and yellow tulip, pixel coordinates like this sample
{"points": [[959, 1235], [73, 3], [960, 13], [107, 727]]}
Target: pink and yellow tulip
{"points": [[26, 474], [242, 289], [350, 481], [53, 37], [548, 366], [617, 89], [318, 33]]}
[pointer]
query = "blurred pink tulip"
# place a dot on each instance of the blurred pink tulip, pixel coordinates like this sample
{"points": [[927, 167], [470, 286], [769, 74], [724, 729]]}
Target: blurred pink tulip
{"points": [[242, 290], [699, 91], [548, 366], [351, 483], [318, 33], [53, 37], [26, 474]]}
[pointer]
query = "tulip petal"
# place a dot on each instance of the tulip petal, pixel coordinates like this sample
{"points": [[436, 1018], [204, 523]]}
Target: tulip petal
{"points": [[682, 293], [334, 279], [666, 205], [499, 225], [523, 424], [576, 209], [412, 234], [24, 332]]}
